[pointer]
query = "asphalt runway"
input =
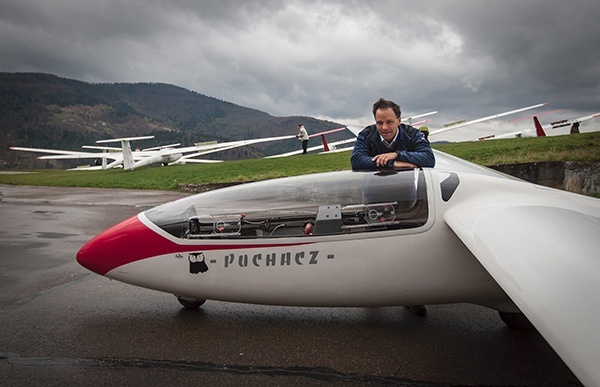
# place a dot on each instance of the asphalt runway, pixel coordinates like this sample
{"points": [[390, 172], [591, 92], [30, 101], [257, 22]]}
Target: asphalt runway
{"points": [[62, 325]]}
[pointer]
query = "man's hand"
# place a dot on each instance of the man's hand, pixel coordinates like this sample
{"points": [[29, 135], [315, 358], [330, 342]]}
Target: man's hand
{"points": [[403, 165], [381, 160]]}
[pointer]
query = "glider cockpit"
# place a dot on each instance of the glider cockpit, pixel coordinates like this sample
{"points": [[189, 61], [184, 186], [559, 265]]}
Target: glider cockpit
{"points": [[302, 206]]}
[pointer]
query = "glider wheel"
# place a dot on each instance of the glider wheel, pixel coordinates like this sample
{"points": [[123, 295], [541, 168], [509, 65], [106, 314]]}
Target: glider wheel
{"points": [[516, 321], [191, 304]]}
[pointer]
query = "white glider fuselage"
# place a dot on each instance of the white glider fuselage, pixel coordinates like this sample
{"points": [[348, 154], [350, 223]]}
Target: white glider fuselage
{"points": [[163, 157], [450, 234], [424, 264]]}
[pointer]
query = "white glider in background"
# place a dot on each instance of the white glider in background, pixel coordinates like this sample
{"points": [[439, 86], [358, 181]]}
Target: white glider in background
{"points": [[129, 160], [479, 120], [121, 156], [158, 155], [542, 130]]}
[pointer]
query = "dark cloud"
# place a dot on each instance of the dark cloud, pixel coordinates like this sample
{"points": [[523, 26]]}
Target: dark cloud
{"points": [[543, 47], [329, 59]]}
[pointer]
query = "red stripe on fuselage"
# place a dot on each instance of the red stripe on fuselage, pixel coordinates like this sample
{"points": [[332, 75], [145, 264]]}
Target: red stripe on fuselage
{"points": [[131, 241]]}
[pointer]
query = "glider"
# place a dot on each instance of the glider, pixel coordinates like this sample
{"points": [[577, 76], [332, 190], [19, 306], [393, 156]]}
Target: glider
{"points": [[456, 233], [121, 157], [541, 130], [462, 124], [129, 160], [163, 155]]}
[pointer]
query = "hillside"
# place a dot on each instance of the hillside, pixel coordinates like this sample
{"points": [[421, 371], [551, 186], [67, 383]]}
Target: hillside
{"points": [[46, 111]]}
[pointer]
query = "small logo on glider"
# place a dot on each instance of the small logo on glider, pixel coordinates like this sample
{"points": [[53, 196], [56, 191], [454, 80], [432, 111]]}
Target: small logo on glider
{"points": [[197, 264]]}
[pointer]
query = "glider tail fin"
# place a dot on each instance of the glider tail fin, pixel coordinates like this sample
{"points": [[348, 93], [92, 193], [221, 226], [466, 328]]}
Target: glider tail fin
{"points": [[325, 145], [127, 155], [538, 127]]}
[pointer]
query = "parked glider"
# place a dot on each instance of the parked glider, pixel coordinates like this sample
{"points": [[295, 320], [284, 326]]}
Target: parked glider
{"points": [[165, 155], [170, 155], [462, 124], [450, 234], [118, 156], [541, 130]]}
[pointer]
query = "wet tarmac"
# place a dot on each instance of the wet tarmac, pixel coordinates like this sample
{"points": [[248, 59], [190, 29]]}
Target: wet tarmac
{"points": [[62, 325]]}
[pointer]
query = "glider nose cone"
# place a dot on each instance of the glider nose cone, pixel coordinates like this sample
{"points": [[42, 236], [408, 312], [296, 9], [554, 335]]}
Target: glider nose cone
{"points": [[112, 248]]}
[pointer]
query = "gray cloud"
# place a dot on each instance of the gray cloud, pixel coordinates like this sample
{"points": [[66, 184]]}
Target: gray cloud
{"points": [[328, 59]]}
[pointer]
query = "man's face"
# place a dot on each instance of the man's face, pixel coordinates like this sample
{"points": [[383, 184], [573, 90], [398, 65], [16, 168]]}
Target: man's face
{"points": [[387, 123]]}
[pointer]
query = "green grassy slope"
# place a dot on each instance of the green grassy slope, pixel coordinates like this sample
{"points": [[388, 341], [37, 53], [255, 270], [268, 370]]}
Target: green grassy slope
{"points": [[584, 147]]}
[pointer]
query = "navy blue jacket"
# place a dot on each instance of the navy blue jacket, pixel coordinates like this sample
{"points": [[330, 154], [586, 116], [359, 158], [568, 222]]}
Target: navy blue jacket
{"points": [[410, 145]]}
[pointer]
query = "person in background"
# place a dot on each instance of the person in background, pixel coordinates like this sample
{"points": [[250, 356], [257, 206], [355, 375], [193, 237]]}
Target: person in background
{"points": [[425, 130], [574, 128], [389, 144], [302, 135]]}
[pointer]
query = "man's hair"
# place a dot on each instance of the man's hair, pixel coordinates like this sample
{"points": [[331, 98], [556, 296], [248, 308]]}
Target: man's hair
{"points": [[386, 104]]}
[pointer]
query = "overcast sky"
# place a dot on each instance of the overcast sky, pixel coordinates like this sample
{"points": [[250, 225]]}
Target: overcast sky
{"points": [[327, 59]]}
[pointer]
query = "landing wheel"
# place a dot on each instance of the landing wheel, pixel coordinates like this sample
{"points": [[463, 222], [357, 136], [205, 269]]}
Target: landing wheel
{"points": [[516, 321], [191, 304]]}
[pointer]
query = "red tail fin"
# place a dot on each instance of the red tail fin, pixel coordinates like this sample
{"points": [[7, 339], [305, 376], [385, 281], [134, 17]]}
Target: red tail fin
{"points": [[325, 145], [538, 127]]}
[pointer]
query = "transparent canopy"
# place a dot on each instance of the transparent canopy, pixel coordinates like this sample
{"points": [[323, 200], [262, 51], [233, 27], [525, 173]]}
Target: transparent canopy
{"points": [[318, 204]]}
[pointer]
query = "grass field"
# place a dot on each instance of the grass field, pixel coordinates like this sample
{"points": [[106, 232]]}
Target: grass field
{"points": [[583, 147]]}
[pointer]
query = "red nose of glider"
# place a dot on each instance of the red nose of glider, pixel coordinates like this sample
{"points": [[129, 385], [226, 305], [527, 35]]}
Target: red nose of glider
{"points": [[126, 242]]}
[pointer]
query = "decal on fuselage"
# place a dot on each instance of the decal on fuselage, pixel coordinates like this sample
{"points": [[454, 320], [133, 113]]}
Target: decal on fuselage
{"points": [[198, 261]]}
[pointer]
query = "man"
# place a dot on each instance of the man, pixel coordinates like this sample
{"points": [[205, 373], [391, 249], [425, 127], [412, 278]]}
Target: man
{"points": [[303, 135], [389, 144], [574, 128]]}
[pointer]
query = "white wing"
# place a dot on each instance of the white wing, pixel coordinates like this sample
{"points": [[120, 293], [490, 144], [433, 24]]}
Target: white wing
{"points": [[546, 256], [316, 147], [532, 132], [65, 154], [478, 120]]}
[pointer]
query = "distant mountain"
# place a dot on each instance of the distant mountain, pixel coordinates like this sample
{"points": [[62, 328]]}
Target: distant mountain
{"points": [[46, 111]]}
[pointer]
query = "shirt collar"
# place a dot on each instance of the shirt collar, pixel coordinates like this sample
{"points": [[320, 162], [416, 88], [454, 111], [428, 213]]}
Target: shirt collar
{"points": [[389, 144]]}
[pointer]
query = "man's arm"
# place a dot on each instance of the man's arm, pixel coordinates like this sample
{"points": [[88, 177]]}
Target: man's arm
{"points": [[361, 158], [421, 154]]}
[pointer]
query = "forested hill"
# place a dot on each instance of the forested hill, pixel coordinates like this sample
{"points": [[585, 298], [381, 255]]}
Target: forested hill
{"points": [[46, 111]]}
